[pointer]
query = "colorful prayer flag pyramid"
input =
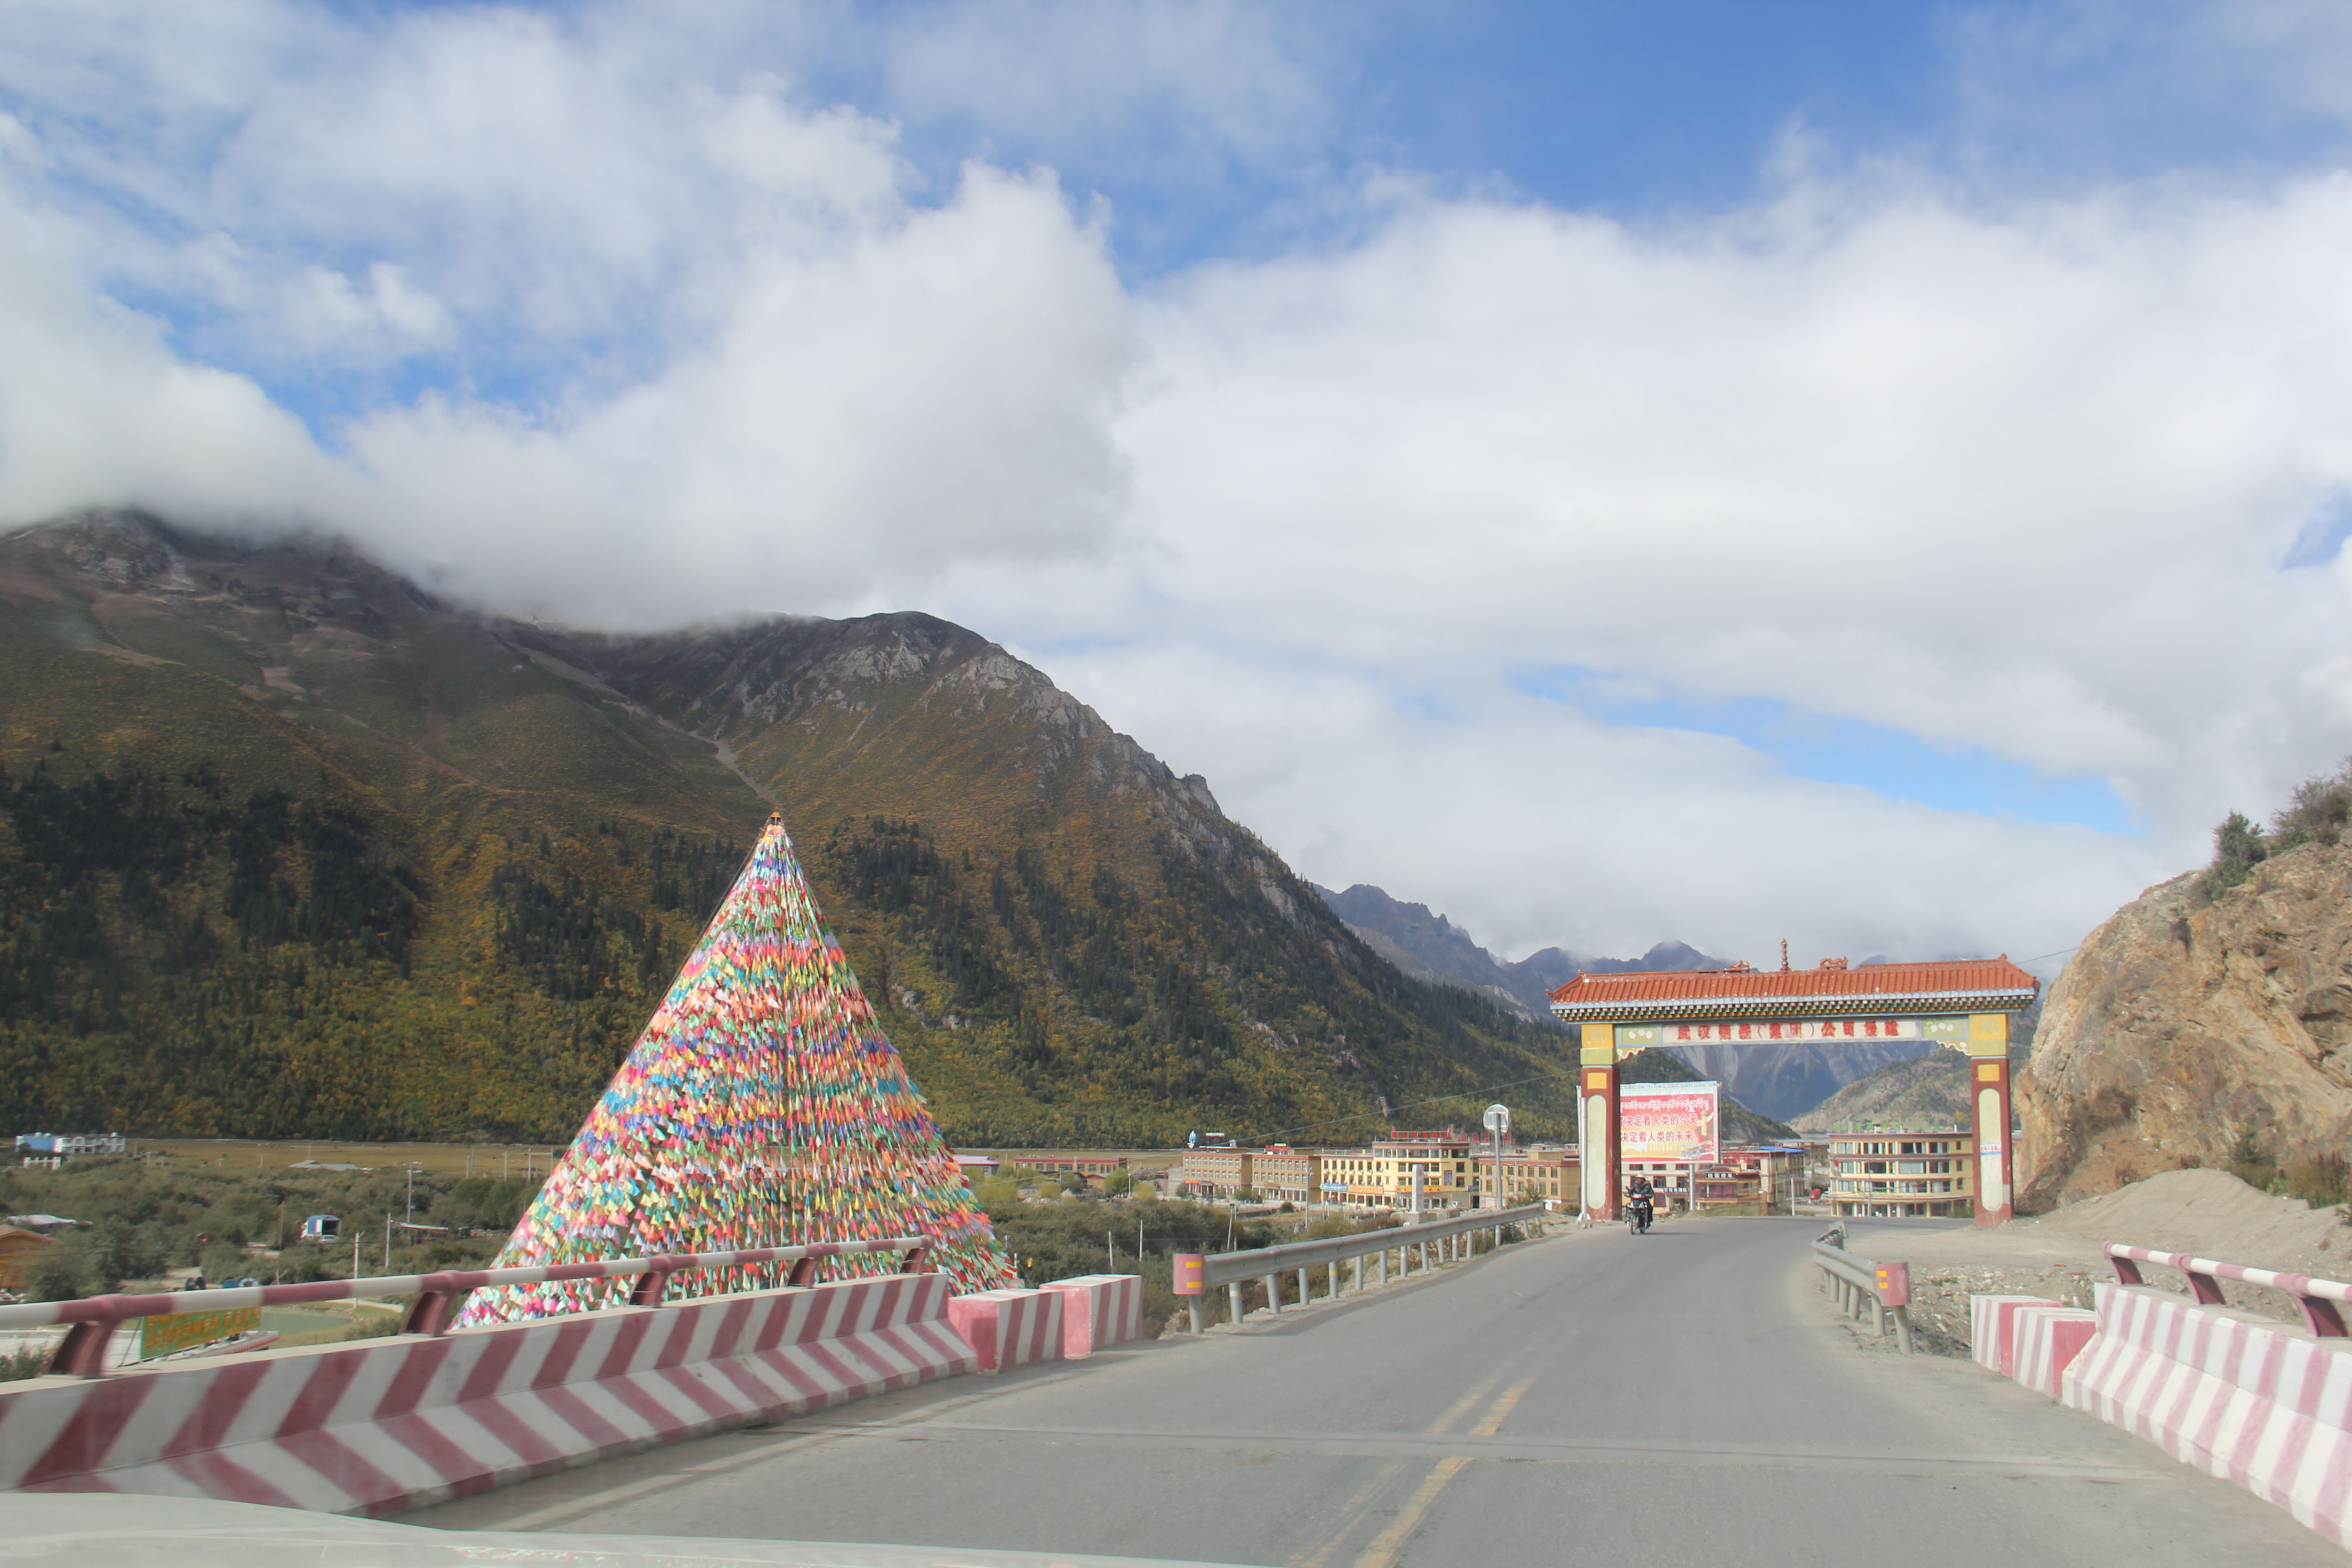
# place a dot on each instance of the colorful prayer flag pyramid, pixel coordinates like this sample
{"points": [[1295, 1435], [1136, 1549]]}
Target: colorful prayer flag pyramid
{"points": [[762, 1107]]}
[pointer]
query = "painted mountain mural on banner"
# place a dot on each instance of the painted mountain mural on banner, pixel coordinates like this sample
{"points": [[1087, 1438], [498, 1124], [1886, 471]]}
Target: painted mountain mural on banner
{"points": [[762, 1107]]}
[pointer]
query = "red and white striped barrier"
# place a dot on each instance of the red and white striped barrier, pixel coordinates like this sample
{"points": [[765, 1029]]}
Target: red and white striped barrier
{"points": [[383, 1426], [1009, 1328], [438, 1296], [2044, 1341], [2243, 1397], [1992, 1322], [1099, 1309]]}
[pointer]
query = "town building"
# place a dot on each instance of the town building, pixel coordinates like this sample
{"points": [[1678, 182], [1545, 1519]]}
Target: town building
{"points": [[1215, 1173], [1897, 1171], [64, 1144], [1740, 1176], [1403, 1171], [1542, 1174], [1282, 1175], [1095, 1168]]}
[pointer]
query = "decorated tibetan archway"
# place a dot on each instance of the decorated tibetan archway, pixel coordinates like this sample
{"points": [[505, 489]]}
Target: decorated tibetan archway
{"points": [[762, 1107]]}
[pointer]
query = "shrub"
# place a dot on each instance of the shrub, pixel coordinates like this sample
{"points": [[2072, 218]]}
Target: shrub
{"points": [[28, 1360], [2322, 1180], [2249, 1164], [2316, 812], [2238, 847]]}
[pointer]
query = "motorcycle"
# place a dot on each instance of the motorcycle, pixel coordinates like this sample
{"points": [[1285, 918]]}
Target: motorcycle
{"points": [[1637, 1216]]}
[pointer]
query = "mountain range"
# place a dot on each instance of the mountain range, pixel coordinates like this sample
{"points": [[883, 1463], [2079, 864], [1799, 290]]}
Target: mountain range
{"points": [[1781, 1081], [1429, 947], [291, 846]]}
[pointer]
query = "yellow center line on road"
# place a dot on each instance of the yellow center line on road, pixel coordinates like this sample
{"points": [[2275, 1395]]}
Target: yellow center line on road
{"points": [[1357, 1506], [1382, 1551]]}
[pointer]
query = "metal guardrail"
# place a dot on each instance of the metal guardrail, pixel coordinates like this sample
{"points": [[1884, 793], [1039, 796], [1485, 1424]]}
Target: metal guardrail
{"points": [[1232, 1269], [2319, 1298], [93, 1318], [1858, 1281]]}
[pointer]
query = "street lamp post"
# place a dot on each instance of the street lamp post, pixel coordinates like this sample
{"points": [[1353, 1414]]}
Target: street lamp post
{"points": [[1498, 1122]]}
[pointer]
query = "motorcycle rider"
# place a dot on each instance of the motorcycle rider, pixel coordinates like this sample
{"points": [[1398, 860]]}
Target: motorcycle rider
{"points": [[1639, 1195]]}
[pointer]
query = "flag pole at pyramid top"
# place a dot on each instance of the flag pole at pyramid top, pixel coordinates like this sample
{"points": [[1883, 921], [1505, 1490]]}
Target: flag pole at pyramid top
{"points": [[762, 1107]]}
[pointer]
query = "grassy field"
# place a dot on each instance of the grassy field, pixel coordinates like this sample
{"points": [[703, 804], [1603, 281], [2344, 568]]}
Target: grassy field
{"points": [[502, 1160]]}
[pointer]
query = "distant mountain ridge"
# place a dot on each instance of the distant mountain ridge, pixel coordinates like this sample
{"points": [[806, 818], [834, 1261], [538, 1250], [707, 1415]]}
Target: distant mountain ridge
{"points": [[1428, 946], [1779, 1081]]}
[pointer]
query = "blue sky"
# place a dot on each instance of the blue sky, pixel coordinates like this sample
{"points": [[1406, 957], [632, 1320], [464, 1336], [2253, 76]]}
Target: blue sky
{"points": [[1915, 429]]}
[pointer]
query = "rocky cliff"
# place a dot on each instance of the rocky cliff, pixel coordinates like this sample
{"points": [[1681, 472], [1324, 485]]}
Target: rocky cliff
{"points": [[2182, 1025]]}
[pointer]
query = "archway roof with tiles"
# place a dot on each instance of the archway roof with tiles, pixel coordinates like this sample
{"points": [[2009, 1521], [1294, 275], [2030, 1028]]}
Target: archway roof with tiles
{"points": [[1956, 985]]}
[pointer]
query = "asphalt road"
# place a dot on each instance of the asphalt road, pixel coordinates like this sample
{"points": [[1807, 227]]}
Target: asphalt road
{"points": [[1684, 1397]]}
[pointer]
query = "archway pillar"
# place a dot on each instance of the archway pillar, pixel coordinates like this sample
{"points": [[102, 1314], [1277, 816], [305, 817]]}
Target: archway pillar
{"points": [[1989, 1098], [1596, 1121]]}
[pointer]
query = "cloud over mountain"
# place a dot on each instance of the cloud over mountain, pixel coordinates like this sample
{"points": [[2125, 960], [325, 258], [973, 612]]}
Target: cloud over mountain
{"points": [[1893, 560]]}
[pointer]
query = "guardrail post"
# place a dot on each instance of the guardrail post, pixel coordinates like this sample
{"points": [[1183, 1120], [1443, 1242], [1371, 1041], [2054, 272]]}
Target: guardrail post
{"points": [[2320, 1316], [83, 1354], [1305, 1291], [1902, 1329], [1192, 1312], [1356, 1275], [436, 1308], [1233, 1301], [1274, 1294]]}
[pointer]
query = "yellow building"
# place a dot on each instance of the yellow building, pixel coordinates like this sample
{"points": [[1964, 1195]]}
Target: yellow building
{"points": [[1903, 1171], [1387, 1174], [1542, 1174]]}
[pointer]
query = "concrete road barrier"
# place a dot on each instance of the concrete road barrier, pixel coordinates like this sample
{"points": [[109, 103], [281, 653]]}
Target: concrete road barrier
{"points": [[2044, 1341], [383, 1426], [1010, 1328], [2237, 1395], [1099, 1309], [1992, 1321]]}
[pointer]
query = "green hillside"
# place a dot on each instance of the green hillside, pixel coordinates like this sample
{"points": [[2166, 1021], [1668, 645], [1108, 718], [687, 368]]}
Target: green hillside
{"points": [[288, 847]]}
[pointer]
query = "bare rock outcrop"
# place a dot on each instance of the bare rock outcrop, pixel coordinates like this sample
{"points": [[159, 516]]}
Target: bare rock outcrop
{"points": [[2182, 1025]]}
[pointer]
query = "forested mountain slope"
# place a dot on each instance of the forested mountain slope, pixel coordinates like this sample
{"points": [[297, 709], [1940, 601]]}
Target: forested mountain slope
{"points": [[288, 846]]}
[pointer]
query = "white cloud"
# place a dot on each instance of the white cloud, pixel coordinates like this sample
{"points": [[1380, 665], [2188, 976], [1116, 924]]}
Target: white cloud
{"points": [[2013, 477]]}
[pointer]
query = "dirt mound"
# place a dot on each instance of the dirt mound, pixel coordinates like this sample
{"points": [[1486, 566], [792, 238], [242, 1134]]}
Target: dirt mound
{"points": [[2213, 1215]]}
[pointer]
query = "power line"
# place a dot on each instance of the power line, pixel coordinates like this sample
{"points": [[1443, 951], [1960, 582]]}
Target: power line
{"points": [[1410, 1105]]}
